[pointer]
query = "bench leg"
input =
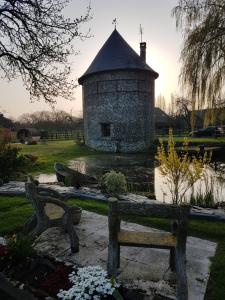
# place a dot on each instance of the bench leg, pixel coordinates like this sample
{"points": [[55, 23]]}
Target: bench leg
{"points": [[118, 256], [74, 240], [113, 259], [172, 260], [182, 287]]}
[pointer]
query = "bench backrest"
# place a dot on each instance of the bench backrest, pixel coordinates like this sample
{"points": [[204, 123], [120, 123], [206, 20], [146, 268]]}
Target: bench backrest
{"points": [[177, 212]]}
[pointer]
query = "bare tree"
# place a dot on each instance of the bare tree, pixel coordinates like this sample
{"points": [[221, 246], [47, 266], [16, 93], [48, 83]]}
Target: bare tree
{"points": [[56, 120], [35, 43], [172, 106], [184, 109], [161, 102], [203, 55]]}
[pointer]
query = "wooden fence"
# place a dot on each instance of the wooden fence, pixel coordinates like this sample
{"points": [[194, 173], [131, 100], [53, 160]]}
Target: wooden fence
{"points": [[63, 135]]}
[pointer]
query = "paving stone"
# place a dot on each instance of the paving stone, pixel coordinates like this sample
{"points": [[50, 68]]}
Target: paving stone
{"points": [[146, 268]]}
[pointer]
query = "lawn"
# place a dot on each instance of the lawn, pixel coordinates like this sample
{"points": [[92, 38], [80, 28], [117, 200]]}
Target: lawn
{"points": [[14, 211], [63, 151], [57, 151], [207, 141]]}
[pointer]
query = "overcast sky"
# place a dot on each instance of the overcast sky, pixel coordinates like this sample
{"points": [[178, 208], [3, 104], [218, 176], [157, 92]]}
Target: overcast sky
{"points": [[163, 48]]}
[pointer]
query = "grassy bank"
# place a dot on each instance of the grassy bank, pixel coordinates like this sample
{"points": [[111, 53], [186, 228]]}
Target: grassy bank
{"points": [[63, 151], [207, 141], [57, 151], [14, 211]]}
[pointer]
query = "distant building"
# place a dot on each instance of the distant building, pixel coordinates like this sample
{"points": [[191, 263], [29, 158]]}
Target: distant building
{"points": [[118, 98], [162, 120]]}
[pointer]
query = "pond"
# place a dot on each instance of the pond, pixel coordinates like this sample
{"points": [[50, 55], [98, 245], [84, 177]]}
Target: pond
{"points": [[143, 174]]}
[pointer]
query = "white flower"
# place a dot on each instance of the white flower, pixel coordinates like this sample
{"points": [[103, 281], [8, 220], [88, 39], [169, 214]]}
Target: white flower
{"points": [[89, 283], [3, 241]]}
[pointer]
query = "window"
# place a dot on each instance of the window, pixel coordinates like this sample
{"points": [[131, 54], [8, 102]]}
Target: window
{"points": [[105, 128]]}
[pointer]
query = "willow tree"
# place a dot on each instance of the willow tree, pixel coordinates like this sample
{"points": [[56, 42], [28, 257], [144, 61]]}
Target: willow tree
{"points": [[36, 40], [203, 55]]}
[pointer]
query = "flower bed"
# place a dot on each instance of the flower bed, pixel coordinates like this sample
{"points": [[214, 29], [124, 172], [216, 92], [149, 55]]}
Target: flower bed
{"points": [[44, 277]]}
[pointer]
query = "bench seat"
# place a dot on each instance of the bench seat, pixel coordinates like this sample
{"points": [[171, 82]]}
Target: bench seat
{"points": [[163, 240]]}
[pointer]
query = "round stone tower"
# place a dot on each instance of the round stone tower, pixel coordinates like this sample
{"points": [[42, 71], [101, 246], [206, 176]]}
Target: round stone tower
{"points": [[118, 98]]}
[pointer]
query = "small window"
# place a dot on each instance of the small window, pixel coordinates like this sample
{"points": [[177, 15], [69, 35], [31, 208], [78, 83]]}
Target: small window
{"points": [[105, 128]]}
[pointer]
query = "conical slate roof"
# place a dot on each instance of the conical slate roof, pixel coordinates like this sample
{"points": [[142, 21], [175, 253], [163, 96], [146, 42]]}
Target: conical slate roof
{"points": [[116, 54]]}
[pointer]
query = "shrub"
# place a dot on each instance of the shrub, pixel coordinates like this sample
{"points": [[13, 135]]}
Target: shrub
{"points": [[114, 183], [79, 138], [20, 248], [10, 160], [203, 199], [5, 136], [206, 197], [180, 170]]}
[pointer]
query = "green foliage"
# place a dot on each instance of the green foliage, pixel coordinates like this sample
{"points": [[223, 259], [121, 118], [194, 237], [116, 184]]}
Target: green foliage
{"points": [[114, 183], [116, 294], [14, 211], [20, 248], [180, 170], [62, 151], [203, 199], [79, 138], [10, 160]]}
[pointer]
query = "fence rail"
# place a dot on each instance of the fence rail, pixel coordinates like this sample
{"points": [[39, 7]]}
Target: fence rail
{"points": [[63, 135]]}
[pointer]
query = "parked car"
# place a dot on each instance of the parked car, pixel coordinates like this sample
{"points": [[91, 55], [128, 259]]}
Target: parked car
{"points": [[223, 129], [208, 131]]}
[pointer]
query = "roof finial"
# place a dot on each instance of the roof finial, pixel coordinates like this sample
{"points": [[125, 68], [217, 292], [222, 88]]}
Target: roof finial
{"points": [[141, 32], [115, 22]]}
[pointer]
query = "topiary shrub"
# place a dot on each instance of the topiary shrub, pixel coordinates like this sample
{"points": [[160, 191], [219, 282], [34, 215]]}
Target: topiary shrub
{"points": [[114, 183]]}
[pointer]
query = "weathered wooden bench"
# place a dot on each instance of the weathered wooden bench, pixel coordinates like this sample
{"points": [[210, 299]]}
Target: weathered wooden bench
{"points": [[49, 211], [174, 241]]}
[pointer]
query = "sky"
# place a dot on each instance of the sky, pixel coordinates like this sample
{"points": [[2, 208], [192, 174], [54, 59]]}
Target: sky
{"points": [[164, 44]]}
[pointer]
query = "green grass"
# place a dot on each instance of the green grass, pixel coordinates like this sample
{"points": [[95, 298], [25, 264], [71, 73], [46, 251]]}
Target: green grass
{"points": [[14, 212], [57, 151], [208, 141], [63, 151]]}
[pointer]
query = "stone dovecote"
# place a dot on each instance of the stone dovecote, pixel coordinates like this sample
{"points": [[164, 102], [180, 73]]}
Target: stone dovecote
{"points": [[118, 99]]}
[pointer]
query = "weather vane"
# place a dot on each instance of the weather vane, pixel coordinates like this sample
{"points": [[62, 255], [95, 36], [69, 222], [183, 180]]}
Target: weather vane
{"points": [[115, 22], [141, 32]]}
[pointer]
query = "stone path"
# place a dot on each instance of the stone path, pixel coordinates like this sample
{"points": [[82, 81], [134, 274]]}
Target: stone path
{"points": [[142, 268], [16, 188]]}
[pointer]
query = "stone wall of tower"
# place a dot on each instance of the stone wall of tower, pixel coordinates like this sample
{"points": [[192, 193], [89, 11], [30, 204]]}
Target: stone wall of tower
{"points": [[125, 100]]}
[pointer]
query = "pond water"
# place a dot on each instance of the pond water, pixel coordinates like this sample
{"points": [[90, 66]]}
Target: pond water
{"points": [[143, 174]]}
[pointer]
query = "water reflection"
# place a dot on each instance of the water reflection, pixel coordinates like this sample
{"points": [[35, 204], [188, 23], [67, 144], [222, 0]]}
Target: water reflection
{"points": [[143, 174], [138, 169]]}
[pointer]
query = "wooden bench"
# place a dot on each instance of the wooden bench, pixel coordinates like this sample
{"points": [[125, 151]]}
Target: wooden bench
{"points": [[174, 241], [49, 211]]}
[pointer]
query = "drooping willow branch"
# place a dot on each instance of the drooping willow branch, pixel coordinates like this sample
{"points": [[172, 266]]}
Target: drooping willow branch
{"points": [[203, 55]]}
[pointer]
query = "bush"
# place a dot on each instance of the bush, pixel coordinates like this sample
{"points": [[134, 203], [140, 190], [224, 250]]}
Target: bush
{"points": [[20, 248], [203, 199], [180, 170], [11, 162], [79, 138], [114, 183]]}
